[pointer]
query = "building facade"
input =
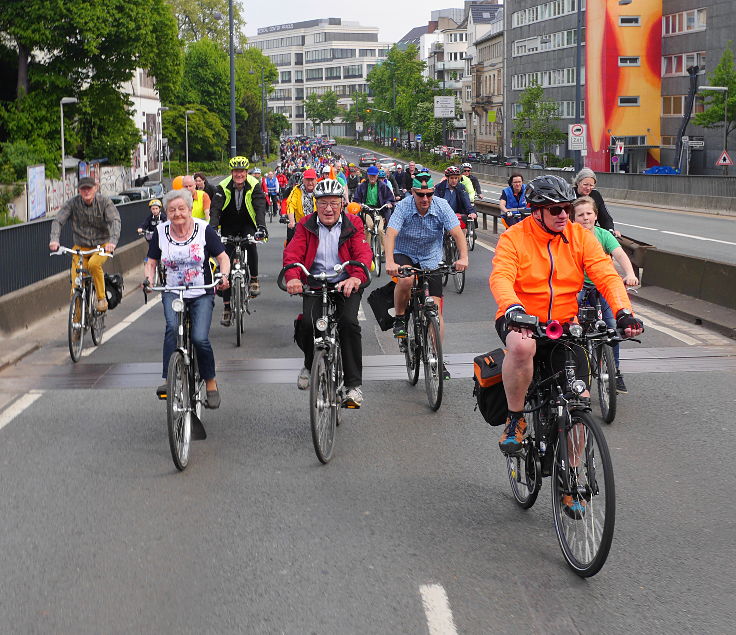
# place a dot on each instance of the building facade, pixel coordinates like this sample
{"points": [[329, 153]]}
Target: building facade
{"points": [[317, 56], [146, 114]]}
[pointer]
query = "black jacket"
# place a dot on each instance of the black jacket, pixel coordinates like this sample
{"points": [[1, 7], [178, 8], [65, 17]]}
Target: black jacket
{"points": [[231, 221], [464, 205]]}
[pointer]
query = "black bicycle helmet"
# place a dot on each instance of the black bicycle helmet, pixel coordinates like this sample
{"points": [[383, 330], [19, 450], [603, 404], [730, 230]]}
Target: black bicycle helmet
{"points": [[547, 190]]}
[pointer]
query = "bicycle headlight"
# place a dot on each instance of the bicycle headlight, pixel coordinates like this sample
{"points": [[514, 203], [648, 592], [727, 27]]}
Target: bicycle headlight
{"points": [[178, 305], [576, 330], [578, 386], [321, 324]]}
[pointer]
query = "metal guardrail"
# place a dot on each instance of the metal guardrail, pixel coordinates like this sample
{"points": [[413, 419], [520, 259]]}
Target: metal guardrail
{"points": [[25, 248]]}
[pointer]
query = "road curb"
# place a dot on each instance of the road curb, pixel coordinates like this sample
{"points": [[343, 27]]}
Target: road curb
{"points": [[700, 318], [18, 354]]}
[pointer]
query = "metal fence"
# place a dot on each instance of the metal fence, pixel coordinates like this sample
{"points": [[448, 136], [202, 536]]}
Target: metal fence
{"points": [[24, 249]]}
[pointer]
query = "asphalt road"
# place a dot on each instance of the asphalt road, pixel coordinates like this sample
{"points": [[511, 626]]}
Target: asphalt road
{"points": [[410, 529], [689, 233]]}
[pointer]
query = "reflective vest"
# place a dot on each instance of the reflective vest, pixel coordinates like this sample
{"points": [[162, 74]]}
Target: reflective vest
{"points": [[254, 183], [469, 187], [198, 205]]}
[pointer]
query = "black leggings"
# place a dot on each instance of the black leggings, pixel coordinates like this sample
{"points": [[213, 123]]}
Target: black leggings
{"points": [[252, 251]]}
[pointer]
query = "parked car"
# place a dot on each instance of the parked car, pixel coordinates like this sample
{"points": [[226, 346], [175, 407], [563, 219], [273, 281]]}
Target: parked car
{"points": [[513, 161], [331, 142], [119, 199], [536, 166], [157, 188], [387, 164], [366, 159], [473, 157], [137, 193]]}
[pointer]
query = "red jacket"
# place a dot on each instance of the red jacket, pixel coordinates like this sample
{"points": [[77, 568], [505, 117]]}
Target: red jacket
{"points": [[352, 246]]}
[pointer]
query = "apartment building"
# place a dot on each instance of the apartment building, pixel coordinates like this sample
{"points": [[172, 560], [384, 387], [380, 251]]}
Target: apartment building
{"points": [[146, 113], [316, 56]]}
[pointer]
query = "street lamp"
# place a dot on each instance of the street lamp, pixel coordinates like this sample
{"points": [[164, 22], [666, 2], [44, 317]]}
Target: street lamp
{"points": [[161, 143], [186, 134], [64, 100], [721, 89], [264, 136], [231, 23]]}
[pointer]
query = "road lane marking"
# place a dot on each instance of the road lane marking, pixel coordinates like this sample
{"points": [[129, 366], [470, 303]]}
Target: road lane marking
{"points": [[485, 245], [361, 313], [654, 229], [18, 406], [685, 339], [715, 240], [124, 324], [437, 610]]}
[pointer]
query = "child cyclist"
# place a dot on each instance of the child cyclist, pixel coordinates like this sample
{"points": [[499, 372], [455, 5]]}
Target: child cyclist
{"points": [[148, 226], [586, 213]]}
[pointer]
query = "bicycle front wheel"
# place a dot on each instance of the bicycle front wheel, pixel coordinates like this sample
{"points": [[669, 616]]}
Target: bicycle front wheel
{"points": [[447, 254], [458, 279], [413, 351], [178, 413], [376, 246], [97, 325], [322, 407], [606, 379], [471, 236], [75, 329], [433, 366], [585, 511], [236, 304]]}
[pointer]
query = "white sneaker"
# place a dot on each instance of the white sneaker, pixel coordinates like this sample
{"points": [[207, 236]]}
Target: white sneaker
{"points": [[302, 383], [354, 397]]}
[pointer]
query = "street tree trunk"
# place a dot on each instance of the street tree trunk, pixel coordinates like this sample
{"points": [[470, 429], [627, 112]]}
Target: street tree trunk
{"points": [[23, 57]]}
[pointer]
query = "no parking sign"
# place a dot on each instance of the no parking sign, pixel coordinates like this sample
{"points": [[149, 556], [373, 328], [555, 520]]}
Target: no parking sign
{"points": [[576, 136]]}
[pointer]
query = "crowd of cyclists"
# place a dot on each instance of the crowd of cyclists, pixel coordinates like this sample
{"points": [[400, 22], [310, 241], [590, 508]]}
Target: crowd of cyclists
{"points": [[558, 243]]}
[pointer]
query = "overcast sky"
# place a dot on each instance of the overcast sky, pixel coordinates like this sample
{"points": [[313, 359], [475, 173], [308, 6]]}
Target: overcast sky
{"points": [[393, 19]]}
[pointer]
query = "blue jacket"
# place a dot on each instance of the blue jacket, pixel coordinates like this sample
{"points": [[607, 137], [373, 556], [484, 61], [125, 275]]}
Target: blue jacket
{"points": [[511, 199], [463, 204], [385, 194]]}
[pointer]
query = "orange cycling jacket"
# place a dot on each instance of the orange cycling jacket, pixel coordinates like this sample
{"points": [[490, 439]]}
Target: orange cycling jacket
{"points": [[543, 272]]}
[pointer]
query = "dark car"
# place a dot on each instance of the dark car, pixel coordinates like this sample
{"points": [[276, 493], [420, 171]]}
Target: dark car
{"points": [[473, 157], [367, 159], [513, 161], [137, 193]]}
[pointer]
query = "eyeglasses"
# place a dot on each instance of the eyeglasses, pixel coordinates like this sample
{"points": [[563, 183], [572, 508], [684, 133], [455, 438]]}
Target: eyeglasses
{"points": [[424, 194], [328, 205], [556, 210]]}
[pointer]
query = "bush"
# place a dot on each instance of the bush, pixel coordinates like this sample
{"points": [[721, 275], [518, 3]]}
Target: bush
{"points": [[16, 156]]}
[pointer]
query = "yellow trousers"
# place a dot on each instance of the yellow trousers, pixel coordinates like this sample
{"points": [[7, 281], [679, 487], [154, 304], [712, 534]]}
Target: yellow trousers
{"points": [[93, 264]]}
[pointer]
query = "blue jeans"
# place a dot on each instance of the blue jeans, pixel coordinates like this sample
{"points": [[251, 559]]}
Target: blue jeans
{"points": [[607, 312], [200, 314]]}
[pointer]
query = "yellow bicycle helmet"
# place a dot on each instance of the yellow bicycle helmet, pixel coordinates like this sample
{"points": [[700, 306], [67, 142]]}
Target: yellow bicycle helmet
{"points": [[239, 163], [156, 202]]}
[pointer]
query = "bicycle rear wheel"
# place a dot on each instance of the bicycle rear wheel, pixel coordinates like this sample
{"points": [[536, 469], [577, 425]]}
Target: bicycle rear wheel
{"points": [[97, 324], [412, 350], [606, 379], [178, 414], [471, 235], [458, 279], [75, 329], [585, 530], [321, 407], [377, 248], [236, 304], [525, 469], [433, 366], [447, 256]]}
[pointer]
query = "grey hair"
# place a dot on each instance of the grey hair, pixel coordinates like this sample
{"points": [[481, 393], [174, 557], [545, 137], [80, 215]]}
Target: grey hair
{"points": [[585, 173], [172, 195]]}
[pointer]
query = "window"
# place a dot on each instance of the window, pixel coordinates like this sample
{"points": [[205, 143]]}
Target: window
{"points": [[333, 72], [678, 64], [629, 20], [382, 52], [546, 11], [342, 53], [667, 141], [355, 70], [672, 105], [298, 76], [684, 21], [366, 52], [629, 61], [285, 77], [282, 59], [561, 39], [299, 59], [282, 94], [299, 93], [628, 101], [314, 74]]}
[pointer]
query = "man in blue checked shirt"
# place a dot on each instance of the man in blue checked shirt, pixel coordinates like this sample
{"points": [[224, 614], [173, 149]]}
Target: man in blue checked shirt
{"points": [[414, 237]]}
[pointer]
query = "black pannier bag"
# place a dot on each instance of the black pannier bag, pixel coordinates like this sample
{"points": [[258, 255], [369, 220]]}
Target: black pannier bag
{"points": [[381, 300], [114, 286], [488, 387]]}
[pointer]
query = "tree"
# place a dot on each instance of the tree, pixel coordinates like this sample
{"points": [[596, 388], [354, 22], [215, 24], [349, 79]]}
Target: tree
{"points": [[330, 109], [357, 110], [713, 115], [534, 126], [198, 19], [207, 135], [314, 111]]}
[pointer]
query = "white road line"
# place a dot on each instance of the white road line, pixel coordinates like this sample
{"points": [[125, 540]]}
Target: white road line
{"points": [[685, 339], [437, 610], [714, 240], [654, 229], [361, 313], [18, 406], [485, 245], [123, 324]]}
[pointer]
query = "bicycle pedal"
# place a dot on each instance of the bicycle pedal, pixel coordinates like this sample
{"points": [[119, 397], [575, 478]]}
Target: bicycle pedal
{"points": [[351, 406], [162, 397]]}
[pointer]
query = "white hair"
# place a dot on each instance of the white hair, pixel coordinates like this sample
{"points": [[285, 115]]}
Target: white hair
{"points": [[172, 195], [585, 173]]}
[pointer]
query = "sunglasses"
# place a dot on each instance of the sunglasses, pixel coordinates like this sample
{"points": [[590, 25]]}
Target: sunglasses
{"points": [[556, 210], [424, 194]]}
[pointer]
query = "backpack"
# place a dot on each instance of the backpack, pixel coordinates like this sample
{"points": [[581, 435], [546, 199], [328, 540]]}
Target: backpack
{"points": [[381, 300], [488, 387], [114, 286]]}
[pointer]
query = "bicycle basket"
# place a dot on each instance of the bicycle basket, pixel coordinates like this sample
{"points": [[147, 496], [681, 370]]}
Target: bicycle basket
{"points": [[488, 387], [114, 286]]}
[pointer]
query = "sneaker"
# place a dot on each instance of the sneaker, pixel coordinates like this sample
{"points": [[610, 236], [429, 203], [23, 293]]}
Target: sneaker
{"points": [[255, 288], [572, 508], [302, 382], [213, 400], [400, 327], [101, 305], [162, 391], [445, 373], [620, 385], [353, 397], [227, 317], [513, 435]]}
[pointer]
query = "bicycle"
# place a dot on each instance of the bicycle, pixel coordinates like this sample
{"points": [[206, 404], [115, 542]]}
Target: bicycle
{"points": [[470, 225], [326, 388], [452, 254], [186, 392], [275, 206], [423, 333], [565, 442], [83, 315], [240, 279], [160, 273], [374, 237]]}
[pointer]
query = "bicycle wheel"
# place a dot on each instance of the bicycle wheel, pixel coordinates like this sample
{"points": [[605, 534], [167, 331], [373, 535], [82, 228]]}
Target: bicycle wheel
{"points": [[433, 367], [97, 324], [471, 235], [197, 389], [236, 305], [525, 469], [447, 256], [585, 532], [376, 247], [412, 350], [321, 408], [75, 329], [178, 414], [606, 379], [458, 279]]}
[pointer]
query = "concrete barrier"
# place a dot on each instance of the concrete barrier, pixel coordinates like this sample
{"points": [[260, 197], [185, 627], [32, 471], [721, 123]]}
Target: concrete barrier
{"points": [[21, 308]]}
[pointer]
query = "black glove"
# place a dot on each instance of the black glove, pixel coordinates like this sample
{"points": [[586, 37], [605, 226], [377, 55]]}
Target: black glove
{"points": [[261, 233], [625, 320], [517, 316]]}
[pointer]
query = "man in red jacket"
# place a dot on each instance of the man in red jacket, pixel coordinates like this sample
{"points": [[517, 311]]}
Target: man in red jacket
{"points": [[323, 239]]}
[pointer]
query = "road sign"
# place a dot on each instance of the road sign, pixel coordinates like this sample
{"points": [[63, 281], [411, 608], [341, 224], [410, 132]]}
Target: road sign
{"points": [[696, 143], [619, 147], [444, 107], [358, 126], [576, 136], [614, 158], [724, 160], [418, 137]]}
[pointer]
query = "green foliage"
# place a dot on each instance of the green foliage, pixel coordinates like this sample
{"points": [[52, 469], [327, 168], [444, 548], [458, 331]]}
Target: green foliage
{"points": [[207, 135], [357, 110], [196, 19], [713, 115], [534, 127], [210, 168], [7, 194], [15, 157]]}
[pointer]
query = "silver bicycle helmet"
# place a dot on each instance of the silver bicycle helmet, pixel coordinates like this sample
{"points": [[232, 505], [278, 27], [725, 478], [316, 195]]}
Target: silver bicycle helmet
{"points": [[328, 187]]}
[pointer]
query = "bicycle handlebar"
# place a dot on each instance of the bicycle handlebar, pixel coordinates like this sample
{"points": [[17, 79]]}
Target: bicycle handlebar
{"points": [[248, 239], [78, 252], [186, 287], [368, 208], [407, 270], [555, 330], [324, 277]]}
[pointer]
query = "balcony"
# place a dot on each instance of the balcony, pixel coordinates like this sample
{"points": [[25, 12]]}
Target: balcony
{"points": [[456, 65]]}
